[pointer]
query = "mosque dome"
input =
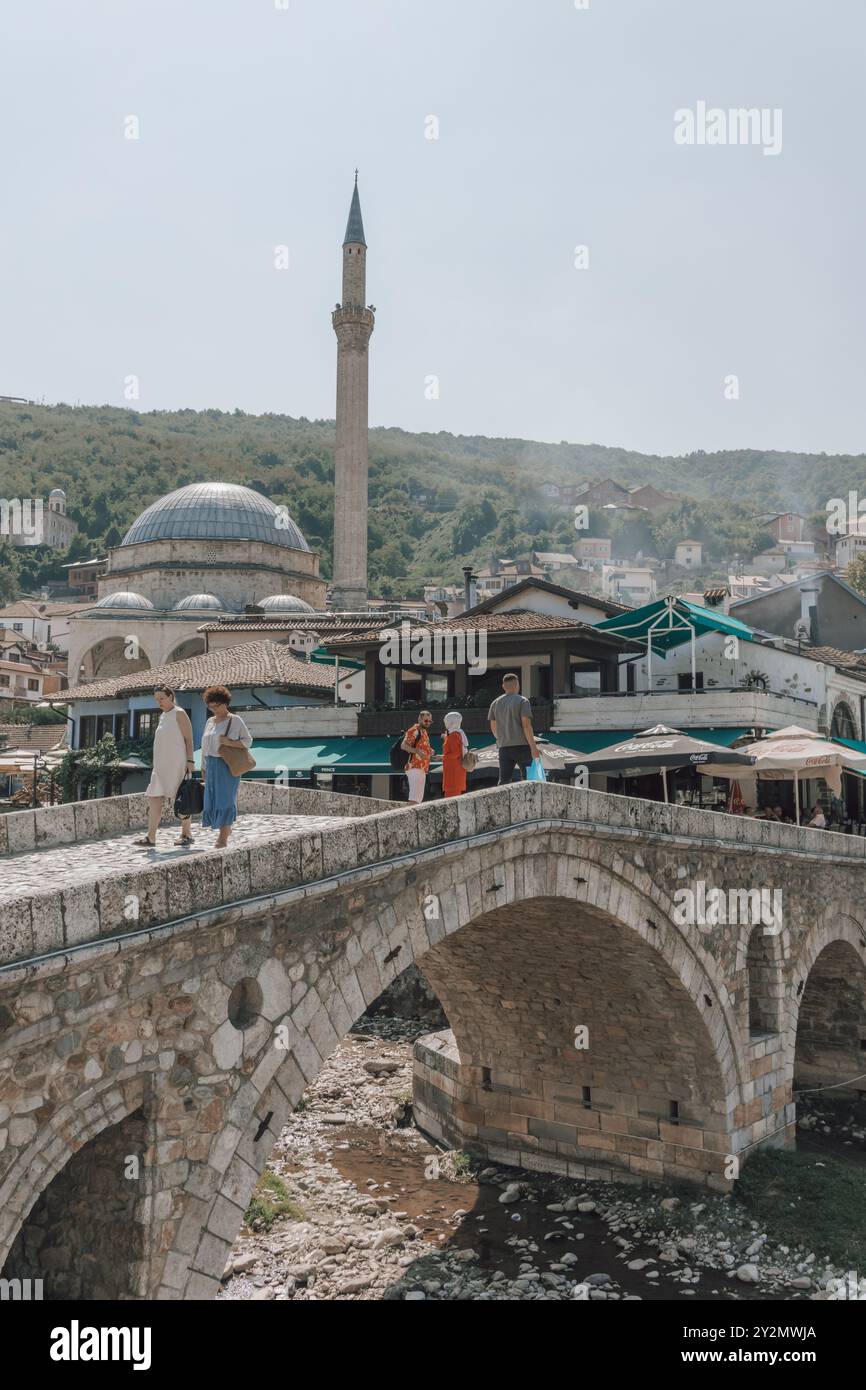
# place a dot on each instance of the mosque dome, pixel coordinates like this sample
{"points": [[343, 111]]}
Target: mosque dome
{"points": [[123, 598], [215, 512], [285, 603], [198, 601]]}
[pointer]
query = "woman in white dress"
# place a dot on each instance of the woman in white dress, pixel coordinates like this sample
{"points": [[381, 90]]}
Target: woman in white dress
{"points": [[172, 760]]}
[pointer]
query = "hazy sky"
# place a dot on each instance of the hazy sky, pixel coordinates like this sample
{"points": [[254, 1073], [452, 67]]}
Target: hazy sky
{"points": [[155, 257]]}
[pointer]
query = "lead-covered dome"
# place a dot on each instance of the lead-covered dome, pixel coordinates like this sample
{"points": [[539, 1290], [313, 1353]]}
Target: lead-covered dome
{"points": [[285, 603], [123, 598], [209, 601], [215, 512]]}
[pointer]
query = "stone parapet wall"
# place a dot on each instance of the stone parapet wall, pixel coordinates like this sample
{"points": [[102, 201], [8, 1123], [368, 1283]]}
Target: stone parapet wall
{"points": [[167, 891], [22, 831]]}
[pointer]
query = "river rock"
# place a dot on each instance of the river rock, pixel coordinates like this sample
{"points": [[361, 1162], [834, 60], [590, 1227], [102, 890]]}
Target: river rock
{"points": [[390, 1236], [511, 1193], [356, 1285], [748, 1274], [381, 1068]]}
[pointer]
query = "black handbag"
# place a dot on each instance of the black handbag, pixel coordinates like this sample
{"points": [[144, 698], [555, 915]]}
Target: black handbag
{"points": [[190, 798]]}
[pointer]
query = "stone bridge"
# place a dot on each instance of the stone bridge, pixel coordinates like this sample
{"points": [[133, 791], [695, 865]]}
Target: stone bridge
{"points": [[161, 1015]]}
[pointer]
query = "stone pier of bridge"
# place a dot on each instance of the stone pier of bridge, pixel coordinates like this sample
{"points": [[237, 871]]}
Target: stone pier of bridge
{"points": [[162, 1013]]}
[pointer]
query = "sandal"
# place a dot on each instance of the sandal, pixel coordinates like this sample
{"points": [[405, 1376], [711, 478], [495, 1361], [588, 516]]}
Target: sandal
{"points": [[151, 844], [185, 840]]}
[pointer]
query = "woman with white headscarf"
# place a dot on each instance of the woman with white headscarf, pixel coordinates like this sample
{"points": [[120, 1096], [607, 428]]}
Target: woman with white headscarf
{"points": [[454, 746]]}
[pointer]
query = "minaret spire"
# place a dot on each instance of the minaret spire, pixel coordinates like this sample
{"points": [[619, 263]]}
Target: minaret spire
{"points": [[355, 224], [353, 323]]}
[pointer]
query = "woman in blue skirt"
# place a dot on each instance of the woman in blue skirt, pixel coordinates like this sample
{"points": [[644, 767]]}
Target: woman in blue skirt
{"points": [[222, 730]]}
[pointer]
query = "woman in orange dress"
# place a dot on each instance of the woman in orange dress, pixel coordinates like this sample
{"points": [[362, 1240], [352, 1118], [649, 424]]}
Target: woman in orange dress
{"points": [[454, 745]]}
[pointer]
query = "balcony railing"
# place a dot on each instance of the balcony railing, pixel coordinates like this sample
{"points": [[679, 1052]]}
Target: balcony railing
{"points": [[390, 723], [714, 706]]}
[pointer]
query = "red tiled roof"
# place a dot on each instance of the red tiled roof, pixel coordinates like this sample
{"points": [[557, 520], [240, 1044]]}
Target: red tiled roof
{"points": [[517, 620], [249, 664]]}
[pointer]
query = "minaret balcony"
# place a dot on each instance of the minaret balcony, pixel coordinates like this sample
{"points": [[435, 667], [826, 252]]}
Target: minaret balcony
{"points": [[353, 313]]}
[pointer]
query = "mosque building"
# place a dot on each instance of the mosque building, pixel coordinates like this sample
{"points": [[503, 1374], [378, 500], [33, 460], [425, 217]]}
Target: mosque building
{"points": [[216, 549]]}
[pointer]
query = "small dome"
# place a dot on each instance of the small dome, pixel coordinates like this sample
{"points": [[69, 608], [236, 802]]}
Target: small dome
{"points": [[199, 601], [57, 492], [215, 512], [124, 598], [285, 603]]}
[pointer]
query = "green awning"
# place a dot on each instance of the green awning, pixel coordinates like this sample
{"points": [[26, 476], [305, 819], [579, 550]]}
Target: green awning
{"points": [[326, 658], [857, 747], [668, 621], [353, 756], [591, 740]]}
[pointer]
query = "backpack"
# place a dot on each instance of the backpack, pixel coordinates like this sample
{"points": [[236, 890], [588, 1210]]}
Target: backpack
{"points": [[398, 756]]}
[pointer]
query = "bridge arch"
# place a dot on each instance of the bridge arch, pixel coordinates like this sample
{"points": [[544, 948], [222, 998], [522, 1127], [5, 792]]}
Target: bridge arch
{"points": [[828, 1008], [315, 983], [66, 1217]]}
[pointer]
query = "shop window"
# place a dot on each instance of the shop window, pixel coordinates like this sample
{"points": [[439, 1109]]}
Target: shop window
{"points": [[146, 721]]}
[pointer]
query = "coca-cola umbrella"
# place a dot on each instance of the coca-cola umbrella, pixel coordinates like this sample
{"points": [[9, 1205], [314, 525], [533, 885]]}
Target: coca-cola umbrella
{"points": [[554, 758], [792, 753], [658, 750]]}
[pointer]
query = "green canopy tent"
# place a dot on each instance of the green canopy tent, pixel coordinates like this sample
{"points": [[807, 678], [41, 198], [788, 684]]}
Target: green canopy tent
{"points": [[671, 622]]}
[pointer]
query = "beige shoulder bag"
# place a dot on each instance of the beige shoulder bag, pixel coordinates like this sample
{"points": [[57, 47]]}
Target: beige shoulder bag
{"points": [[237, 760]]}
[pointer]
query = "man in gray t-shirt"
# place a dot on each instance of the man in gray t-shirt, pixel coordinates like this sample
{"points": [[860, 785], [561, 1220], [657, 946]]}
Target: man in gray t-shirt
{"points": [[510, 718]]}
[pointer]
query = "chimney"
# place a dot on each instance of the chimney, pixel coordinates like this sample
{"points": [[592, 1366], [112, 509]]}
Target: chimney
{"points": [[809, 613], [470, 595]]}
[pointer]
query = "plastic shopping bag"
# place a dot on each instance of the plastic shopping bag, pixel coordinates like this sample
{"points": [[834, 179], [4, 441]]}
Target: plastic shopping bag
{"points": [[536, 771]]}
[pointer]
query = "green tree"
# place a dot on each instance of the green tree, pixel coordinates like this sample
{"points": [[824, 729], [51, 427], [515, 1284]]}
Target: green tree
{"points": [[473, 523], [855, 574], [10, 573]]}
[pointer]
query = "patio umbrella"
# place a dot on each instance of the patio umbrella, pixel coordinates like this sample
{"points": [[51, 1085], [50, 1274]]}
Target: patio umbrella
{"points": [[792, 753], [659, 749], [553, 757]]}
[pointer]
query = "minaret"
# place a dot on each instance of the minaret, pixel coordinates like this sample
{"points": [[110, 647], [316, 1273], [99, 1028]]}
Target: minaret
{"points": [[353, 323]]}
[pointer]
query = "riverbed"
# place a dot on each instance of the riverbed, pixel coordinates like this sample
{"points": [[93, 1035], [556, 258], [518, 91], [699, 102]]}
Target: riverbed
{"points": [[381, 1213]]}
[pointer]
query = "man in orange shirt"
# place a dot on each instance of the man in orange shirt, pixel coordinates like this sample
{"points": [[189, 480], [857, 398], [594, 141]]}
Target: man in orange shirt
{"points": [[417, 745]]}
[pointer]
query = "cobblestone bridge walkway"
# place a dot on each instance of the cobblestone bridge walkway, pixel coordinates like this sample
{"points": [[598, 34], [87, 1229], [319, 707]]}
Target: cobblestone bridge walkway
{"points": [[66, 866]]}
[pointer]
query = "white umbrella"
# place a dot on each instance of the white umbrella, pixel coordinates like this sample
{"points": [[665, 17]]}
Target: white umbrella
{"points": [[554, 758], [791, 753]]}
